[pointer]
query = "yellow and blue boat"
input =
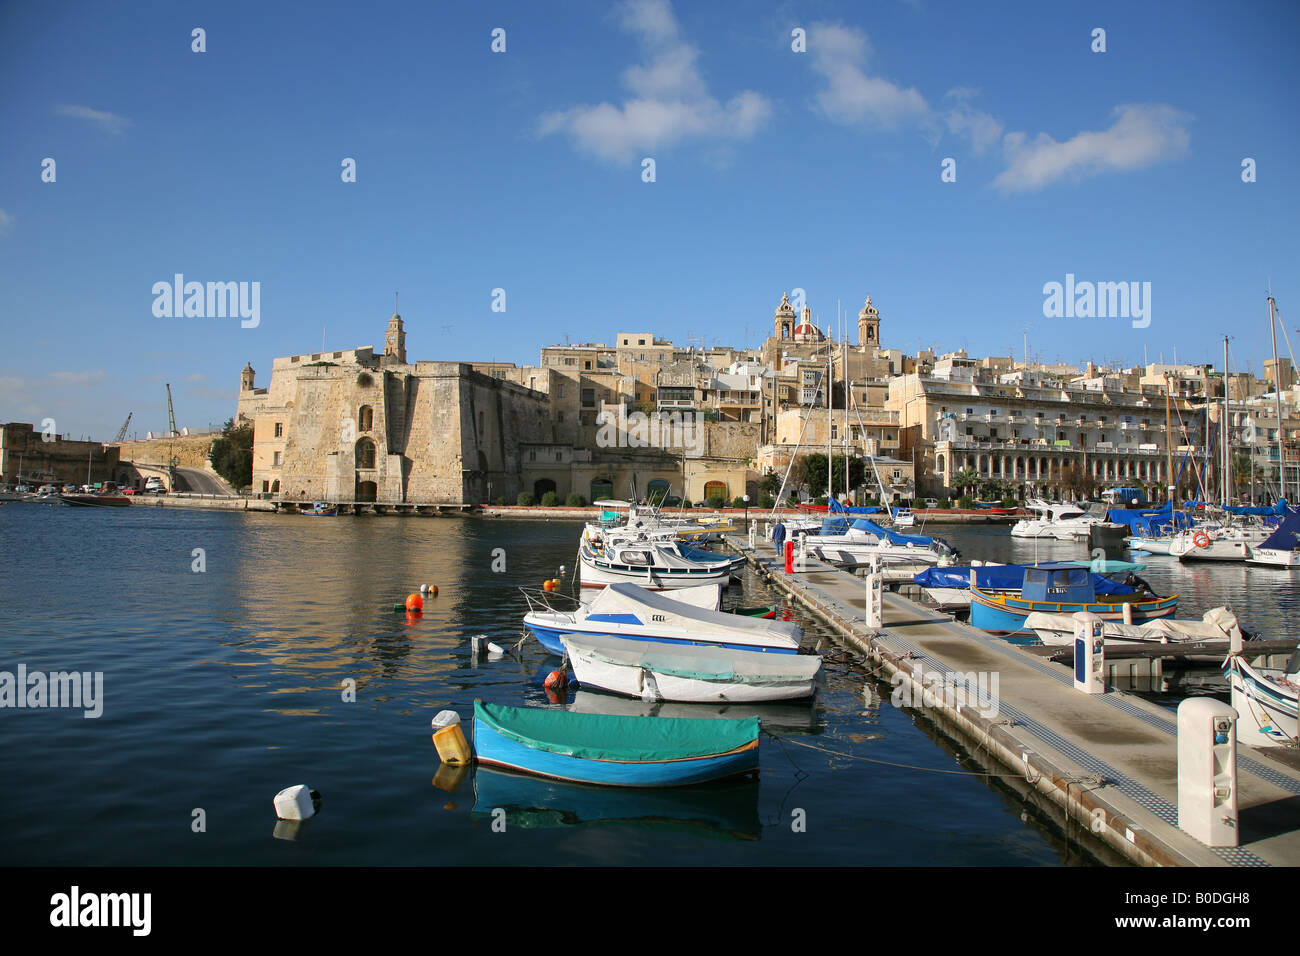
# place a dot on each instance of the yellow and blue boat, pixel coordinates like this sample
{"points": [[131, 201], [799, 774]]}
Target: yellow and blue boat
{"points": [[1058, 591]]}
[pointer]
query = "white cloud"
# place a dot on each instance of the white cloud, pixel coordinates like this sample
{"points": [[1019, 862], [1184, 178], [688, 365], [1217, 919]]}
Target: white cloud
{"points": [[6, 221], [851, 96], [670, 102], [1142, 135], [108, 122], [77, 379], [983, 129]]}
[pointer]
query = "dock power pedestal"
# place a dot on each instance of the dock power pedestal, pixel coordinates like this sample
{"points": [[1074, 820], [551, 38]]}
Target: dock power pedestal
{"points": [[1207, 771], [1089, 653]]}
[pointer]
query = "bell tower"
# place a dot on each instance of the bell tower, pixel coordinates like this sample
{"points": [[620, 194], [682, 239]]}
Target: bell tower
{"points": [[246, 378], [869, 326], [784, 320], [395, 339]]}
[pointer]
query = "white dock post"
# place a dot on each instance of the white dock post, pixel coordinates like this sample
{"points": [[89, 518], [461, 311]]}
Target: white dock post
{"points": [[1207, 771], [753, 534], [801, 555], [1128, 613], [1089, 653], [875, 599]]}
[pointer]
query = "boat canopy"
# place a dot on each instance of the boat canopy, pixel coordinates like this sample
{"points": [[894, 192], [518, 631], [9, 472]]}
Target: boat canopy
{"points": [[619, 602], [1058, 585], [1286, 535], [1010, 577], [605, 737]]}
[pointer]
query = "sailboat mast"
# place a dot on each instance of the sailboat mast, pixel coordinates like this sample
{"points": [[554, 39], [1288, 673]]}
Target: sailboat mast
{"points": [[844, 349], [1277, 395], [830, 470], [1223, 430], [1169, 447]]}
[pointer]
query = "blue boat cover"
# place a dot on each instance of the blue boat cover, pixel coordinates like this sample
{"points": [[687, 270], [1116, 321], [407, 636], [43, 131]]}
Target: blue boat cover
{"points": [[835, 508], [1008, 577], [1276, 510], [1287, 533], [1148, 522], [893, 537]]}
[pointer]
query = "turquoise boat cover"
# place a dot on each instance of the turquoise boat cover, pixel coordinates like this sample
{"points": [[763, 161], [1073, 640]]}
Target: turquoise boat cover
{"points": [[628, 739]]}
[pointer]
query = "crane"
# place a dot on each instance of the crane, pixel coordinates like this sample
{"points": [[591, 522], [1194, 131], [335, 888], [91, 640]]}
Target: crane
{"points": [[171, 415], [121, 432]]}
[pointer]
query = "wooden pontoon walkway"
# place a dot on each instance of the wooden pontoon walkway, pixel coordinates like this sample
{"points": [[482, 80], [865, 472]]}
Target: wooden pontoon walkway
{"points": [[1110, 761]]}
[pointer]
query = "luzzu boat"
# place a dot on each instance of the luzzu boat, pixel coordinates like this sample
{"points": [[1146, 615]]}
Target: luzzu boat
{"points": [[1265, 699], [628, 611], [321, 509], [614, 751], [1058, 591]]}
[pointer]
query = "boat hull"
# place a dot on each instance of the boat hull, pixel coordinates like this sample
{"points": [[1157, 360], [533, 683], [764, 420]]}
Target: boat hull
{"points": [[1266, 712], [550, 631], [641, 669], [493, 748], [1006, 614], [97, 501]]}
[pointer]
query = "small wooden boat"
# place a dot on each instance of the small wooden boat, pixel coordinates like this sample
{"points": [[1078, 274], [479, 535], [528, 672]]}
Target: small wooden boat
{"points": [[321, 509], [613, 751], [98, 500], [652, 671], [1058, 591], [1265, 699]]}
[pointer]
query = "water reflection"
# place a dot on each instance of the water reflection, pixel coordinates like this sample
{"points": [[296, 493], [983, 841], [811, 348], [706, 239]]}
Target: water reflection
{"points": [[727, 810]]}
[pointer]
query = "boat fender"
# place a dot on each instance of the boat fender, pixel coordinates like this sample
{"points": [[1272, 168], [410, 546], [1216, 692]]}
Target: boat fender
{"points": [[450, 739], [494, 651], [297, 803]]}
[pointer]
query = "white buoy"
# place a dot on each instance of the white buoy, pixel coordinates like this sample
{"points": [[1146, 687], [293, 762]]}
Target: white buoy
{"points": [[424, 589], [297, 803]]}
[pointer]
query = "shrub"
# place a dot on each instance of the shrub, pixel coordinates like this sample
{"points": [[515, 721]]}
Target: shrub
{"points": [[525, 498], [687, 504], [965, 502], [820, 501], [550, 499], [715, 501], [501, 499], [764, 502], [738, 502], [946, 503], [575, 500]]}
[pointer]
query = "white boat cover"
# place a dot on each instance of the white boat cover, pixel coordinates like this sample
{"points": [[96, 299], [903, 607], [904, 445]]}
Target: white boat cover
{"points": [[1217, 624], [655, 610], [696, 663]]}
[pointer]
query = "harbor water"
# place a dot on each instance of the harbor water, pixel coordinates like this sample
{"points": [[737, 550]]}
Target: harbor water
{"points": [[243, 653]]}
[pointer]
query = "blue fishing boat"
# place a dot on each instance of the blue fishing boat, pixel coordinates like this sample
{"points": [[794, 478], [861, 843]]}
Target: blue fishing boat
{"points": [[1058, 591], [614, 751], [321, 509]]}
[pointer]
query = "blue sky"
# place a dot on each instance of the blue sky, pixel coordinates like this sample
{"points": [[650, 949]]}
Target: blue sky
{"points": [[522, 170]]}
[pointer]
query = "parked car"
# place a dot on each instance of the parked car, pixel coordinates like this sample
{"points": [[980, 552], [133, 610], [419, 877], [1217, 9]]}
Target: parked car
{"points": [[130, 491], [155, 486], [932, 502]]}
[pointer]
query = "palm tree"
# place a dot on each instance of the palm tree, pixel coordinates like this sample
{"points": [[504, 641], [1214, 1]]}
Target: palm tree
{"points": [[965, 479]]}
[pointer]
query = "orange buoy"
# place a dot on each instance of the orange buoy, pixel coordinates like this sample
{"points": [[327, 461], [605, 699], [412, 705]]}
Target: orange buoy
{"points": [[433, 590], [548, 585], [556, 678], [414, 602]]}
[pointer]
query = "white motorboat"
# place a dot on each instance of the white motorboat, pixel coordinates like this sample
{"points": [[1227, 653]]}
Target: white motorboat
{"points": [[1217, 624], [1217, 543], [904, 518], [1265, 700], [629, 611], [653, 670], [1064, 522], [864, 542], [656, 560]]}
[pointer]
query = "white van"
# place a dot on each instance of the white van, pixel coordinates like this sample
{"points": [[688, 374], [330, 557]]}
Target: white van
{"points": [[154, 485]]}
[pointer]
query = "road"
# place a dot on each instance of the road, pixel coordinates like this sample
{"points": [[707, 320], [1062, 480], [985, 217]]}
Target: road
{"points": [[200, 482]]}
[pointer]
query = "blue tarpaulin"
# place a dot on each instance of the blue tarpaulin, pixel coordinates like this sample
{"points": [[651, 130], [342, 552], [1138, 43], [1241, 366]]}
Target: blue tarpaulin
{"points": [[1005, 577]]}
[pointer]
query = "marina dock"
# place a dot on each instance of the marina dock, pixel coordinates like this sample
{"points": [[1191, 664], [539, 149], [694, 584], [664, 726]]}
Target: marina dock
{"points": [[1109, 762]]}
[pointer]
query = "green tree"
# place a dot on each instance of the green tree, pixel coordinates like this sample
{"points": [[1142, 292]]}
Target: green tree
{"points": [[232, 454], [815, 472], [965, 479]]}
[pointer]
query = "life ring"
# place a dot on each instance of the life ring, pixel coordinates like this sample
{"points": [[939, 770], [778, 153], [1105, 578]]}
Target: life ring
{"points": [[1201, 539]]}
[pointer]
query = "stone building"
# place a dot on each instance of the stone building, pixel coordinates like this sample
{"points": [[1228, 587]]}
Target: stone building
{"points": [[38, 458], [355, 426]]}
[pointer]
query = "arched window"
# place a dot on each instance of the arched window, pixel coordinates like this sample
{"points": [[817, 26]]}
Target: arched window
{"points": [[365, 418], [365, 453], [715, 489], [656, 491], [601, 488]]}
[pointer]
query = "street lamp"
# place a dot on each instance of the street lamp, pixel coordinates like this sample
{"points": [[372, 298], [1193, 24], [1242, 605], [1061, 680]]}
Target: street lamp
{"points": [[746, 497]]}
